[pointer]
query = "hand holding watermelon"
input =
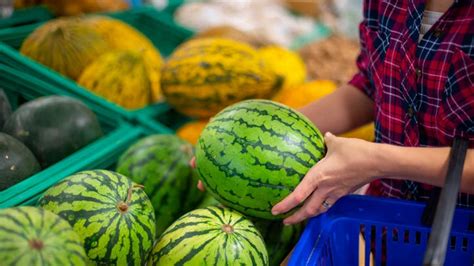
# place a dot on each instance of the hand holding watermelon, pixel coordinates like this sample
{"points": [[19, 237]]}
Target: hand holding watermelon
{"points": [[347, 166]]}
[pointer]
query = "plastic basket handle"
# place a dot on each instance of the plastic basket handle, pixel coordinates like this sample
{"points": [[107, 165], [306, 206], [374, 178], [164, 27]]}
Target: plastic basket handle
{"points": [[438, 241]]}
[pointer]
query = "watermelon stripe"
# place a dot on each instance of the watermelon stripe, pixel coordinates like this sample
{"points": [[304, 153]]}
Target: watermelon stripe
{"points": [[215, 214], [183, 225], [20, 225], [170, 171], [261, 255], [274, 117], [195, 251], [234, 173], [259, 144], [200, 240], [89, 201], [168, 248], [297, 116]]}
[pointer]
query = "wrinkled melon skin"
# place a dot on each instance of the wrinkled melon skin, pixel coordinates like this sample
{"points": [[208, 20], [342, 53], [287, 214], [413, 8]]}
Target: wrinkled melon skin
{"points": [[120, 77], [66, 45], [203, 76], [121, 36]]}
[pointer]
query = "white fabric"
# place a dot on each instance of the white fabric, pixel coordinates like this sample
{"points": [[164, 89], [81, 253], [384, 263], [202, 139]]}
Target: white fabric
{"points": [[429, 18]]}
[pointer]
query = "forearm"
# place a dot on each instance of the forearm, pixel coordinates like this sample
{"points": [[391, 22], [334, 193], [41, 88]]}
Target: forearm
{"points": [[424, 165], [341, 111]]}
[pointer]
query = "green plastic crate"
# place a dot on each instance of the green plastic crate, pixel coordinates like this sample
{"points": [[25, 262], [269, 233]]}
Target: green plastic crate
{"points": [[157, 26], [26, 16], [21, 87]]}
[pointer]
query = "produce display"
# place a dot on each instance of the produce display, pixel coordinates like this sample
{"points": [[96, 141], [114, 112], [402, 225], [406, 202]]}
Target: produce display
{"points": [[112, 215], [254, 153], [161, 164], [5, 109], [17, 162], [53, 127], [203, 76], [237, 82], [34, 236], [105, 55], [66, 45], [210, 236]]}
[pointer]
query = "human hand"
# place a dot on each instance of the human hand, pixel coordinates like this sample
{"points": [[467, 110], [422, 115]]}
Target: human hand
{"points": [[200, 186], [348, 165]]}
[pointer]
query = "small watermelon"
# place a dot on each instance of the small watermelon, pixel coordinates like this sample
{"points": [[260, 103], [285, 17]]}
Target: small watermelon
{"points": [[161, 164], [279, 239], [33, 236], [16, 161], [210, 236], [254, 153], [53, 127], [111, 214]]}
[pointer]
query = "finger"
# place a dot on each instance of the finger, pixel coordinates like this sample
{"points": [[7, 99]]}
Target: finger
{"points": [[301, 192], [312, 207], [200, 186], [329, 137], [192, 163]]}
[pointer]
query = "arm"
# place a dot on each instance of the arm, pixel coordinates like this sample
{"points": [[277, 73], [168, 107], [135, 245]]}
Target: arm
{"points": [[424, 165], [341, 111], [352, 163]]}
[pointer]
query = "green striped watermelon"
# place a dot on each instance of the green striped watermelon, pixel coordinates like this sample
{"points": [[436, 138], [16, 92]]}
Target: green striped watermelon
{"points": [[254, 153], [33, 236], [210, 236], [112, 215], [161, 164], [279, 239]]}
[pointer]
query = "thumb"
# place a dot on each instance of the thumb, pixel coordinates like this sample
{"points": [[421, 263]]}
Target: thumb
{"points": [[329, 137]]}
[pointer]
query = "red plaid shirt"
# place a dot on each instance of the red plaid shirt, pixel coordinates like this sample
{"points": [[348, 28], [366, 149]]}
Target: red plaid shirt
{"points": [[423, 90]]}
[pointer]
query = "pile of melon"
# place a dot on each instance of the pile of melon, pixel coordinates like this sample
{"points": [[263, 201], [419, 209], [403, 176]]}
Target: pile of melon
{"points": [[40, 133], [104, 55]]}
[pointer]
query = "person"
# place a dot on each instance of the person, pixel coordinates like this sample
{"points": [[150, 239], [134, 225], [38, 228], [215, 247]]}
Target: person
{"points": [[416, 82]]}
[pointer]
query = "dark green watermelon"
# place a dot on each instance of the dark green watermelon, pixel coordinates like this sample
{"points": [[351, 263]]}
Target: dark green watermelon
{"points": [[5, 108], [53, 127], [161, 164], [16, 161]]}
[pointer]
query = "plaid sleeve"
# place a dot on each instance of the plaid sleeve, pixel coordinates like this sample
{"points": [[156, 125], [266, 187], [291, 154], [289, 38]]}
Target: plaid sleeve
{"points": [[361, 79]]}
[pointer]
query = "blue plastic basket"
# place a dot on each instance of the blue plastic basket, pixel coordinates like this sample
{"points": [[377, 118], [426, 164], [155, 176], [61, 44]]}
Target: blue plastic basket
{"points": [[392, 231]]}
